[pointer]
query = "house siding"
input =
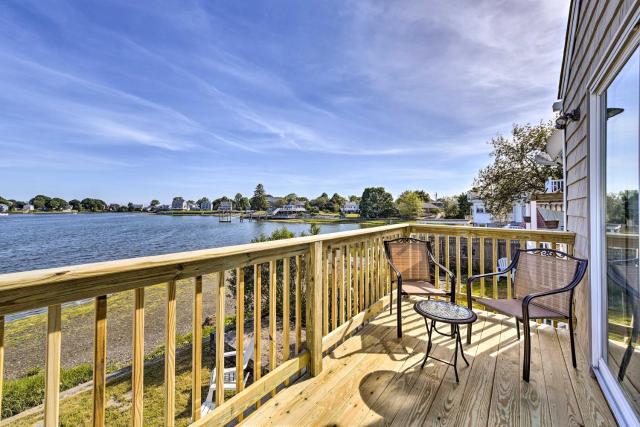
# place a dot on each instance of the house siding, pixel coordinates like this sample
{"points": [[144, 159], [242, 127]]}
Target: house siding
{"points": [[598, 23]]}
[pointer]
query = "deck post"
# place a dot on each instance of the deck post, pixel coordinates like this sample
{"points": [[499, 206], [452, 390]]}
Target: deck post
{"points": [[314, 308]]}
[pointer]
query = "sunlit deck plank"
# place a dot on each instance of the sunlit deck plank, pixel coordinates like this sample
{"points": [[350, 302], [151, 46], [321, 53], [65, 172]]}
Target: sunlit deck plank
{"points": [[563, 407], [374, 378]]}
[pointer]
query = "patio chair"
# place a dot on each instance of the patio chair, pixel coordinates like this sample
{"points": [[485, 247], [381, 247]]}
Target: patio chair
{"points": [[412, 260], [230, 379], [624, 274], [544, 281], [503, 263]]}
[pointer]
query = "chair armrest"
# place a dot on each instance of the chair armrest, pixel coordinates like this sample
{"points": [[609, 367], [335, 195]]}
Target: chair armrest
{"points": [[230, 353], [527, 299], [473, 278], [452, 277], [395, 270]]}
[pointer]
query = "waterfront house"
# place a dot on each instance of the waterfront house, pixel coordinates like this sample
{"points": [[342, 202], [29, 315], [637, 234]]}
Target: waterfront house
{"points": [[4, 208], [480, 217], [350, 208], [225, 205], [179, 204], [290, 210], [430, 209], [28, 208], [206, 205]]}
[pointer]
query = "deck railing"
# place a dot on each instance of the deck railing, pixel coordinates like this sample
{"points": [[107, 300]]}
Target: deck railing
{"points": [[330, 285]]}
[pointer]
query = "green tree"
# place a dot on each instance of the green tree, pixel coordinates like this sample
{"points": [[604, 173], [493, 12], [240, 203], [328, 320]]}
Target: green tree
{"points": [[320, 202], [56, 204], [354, 198], [376, 203], [514, 174], [75, 205], [154, 203], [425, 197], [130, 207], [241, 203], [215, 205], [451, 207], [410, 205], [202, 201], [335, 203], [259, 200], [464, 206], [93, 205], [40, 202]]}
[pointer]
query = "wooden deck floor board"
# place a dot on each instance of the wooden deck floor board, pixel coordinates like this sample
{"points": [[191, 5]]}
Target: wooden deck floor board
{"points": [[373, 378]]}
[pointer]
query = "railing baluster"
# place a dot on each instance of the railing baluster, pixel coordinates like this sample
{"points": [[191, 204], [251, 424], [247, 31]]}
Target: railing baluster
{"points": [[367, 279], [361, 278], [508, 272], [482, 284], [137, 371], [458, 266], [436, 240], [356, 280], [257, 324], [342, 284], [170, 356], [298, 306], [52, 379], [285, 311], [447, 261], [325, 291], [100, 360], [196, 350], [314, 308], [469, 257], [272, 318], [494, 263], [349, 282], [334, 289], [239, 331], [220, 338]]}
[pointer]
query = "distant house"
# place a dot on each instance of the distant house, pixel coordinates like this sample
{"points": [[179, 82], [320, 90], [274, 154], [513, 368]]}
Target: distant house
{"points": [[479, 214], [350, 208], [163, 208], [430, 209], [28, 208], [137, 206], [114, 207], [295, 208], [225, 205], [543, 210], [273, 201], [4, 208], [179, 204], [206, 205], [67, 208]]}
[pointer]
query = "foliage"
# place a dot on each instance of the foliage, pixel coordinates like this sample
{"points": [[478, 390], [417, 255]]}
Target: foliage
{"points": [[259, 200], [241, 203], [93, 205], [464, 206], [622, 208], [354, 198], [40, 202], [450, 207], [202, 201], [26, 392], [154, 203], [514, 173], [215, 205], [410, 205], [425, 197], [75, 204], [376, 203]]}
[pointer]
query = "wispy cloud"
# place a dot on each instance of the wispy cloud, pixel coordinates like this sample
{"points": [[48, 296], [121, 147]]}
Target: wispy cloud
{"points": [[217, 97]]}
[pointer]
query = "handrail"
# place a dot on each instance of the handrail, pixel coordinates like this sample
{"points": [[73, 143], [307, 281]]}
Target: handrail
{"points": [[346, 282]]}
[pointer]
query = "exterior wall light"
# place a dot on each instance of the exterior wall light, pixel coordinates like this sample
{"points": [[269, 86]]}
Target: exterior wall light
{"points": [[563, 119]]}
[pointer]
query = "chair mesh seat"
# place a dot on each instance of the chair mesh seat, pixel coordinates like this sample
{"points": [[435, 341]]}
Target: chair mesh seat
{"points": [[513, 307], [421, 287]]}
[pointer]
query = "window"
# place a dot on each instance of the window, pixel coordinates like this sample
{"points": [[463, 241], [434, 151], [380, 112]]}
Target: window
{"points": [[621, 125]]}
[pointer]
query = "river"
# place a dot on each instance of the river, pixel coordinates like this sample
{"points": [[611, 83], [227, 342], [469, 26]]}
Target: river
{"points": [[29, 242]]}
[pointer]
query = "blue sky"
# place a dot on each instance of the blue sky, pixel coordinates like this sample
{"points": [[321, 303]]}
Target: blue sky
{"points": [[128, 101]]}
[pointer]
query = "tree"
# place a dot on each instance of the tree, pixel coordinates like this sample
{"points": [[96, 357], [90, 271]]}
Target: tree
{"points": [[354, 198], [320, 202], [335, 203], [56, 204], [75, 205], [450, 207], [376, 203], [464, 206], [215, 205], [201, 202], [40, 202], [410, 205], [425, 197], [514, 173], [154, 203], [259, 200], [93, 205], [241, 203]]}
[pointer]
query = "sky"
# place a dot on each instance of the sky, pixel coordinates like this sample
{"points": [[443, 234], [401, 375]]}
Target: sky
{"points": [[129, 101]]}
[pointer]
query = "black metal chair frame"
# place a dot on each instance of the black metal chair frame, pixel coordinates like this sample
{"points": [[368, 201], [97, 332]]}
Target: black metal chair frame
{"points": [[430, 256], [581, 269], [633, 302]]}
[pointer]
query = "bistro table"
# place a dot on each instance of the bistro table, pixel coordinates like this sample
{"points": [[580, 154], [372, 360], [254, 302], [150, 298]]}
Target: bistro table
{"points": [[445, 312]]}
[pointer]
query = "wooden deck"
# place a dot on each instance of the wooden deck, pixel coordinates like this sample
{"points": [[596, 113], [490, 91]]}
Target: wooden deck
{"points": [[374, 378]]}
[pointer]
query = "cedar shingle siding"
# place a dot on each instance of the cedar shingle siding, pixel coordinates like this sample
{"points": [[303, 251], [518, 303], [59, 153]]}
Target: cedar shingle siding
{"points": [[598, 23]]}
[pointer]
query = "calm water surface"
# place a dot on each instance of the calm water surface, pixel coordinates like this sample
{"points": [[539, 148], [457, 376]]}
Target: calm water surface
{"points": [[29, 242]]}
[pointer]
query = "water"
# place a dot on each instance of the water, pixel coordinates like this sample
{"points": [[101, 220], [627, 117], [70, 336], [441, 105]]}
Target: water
{"points": [[29, 242]]}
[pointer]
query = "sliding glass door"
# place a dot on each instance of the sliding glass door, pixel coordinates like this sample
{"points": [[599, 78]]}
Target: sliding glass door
{"points": [[621, 293]]}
